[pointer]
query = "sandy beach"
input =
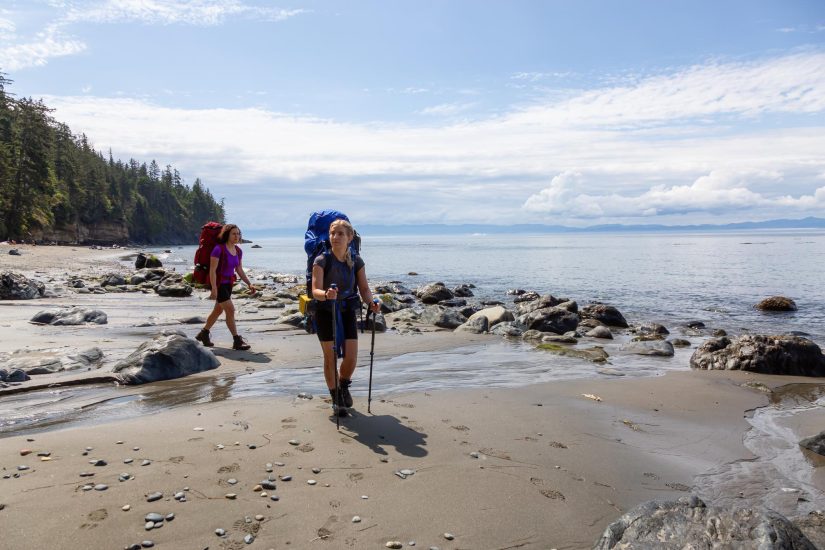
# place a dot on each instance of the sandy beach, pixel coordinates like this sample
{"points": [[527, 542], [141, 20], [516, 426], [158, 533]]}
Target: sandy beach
{"points": [[542, 466]]}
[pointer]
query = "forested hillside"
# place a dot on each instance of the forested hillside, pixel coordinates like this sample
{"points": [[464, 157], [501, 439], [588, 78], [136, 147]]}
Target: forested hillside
{"points": [[55, 187]]}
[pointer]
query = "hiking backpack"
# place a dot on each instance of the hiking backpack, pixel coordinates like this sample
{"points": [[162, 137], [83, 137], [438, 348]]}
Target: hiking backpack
{"points": [[203, 255], [316, 242]]}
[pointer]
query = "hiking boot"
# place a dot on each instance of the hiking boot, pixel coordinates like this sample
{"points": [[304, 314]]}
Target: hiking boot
{"points": [[203, 338], [338, 405], [345, 395], [239, 343]]}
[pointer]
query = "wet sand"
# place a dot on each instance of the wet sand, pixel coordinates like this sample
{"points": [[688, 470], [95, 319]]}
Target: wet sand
{"points": [[541, 466]]}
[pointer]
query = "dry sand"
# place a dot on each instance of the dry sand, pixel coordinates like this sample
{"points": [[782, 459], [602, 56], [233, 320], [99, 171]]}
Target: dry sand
{"points": [[535, 467]]}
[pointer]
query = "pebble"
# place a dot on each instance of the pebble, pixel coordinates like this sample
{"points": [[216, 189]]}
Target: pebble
{"points": [[180, 495], [316, 470], [356, 519], [232, 481], [24, 452], [268, 485], [286, 478], [128, 460], [220, 446], [365, 497], [252, 446], [147, 544], [264, 494], [126, 508], [411, 543], [135, 448], [259, 517], [248, 539], [149, 525], [474, 454], [231, 496], [88, 487], [89, 449], [247, 519], [311, 482], [268, 467], [44, 453], [98, 462], [276, 498], [101, 487], [394, 544], [170, 517], [198, 429], [145, 462], [280, 464], [86, 474], [220, 532], [124, 477], [407, 472], [384, 459], [22, 467], [294, 442], [153, 497], [45, 458], [154, 517], [449, 536], [304, 395], [118, 442]]}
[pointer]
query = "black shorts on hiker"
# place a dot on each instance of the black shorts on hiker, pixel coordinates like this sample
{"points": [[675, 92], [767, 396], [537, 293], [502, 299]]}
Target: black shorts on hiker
{"points": [[224, 292], [323, 321]]}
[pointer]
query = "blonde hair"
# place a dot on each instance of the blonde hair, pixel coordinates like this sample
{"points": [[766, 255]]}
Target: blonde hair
{"points": [[350, 232]]}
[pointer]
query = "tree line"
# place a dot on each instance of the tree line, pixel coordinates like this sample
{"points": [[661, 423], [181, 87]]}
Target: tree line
{"points": [[52, 179]]}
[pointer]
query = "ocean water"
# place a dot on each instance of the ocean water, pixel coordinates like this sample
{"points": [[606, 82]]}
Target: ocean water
{"points": [[669, 278]]}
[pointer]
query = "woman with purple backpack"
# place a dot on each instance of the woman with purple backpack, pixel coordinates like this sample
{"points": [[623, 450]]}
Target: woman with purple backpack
{"points": [[224, 263]]}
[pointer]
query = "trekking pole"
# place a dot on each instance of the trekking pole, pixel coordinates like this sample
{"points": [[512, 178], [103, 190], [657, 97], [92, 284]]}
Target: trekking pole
{"points": [[372, 354], [335, 360]]}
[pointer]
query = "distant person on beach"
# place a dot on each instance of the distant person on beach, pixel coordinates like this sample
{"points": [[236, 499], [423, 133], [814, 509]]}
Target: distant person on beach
{"points": [[224, 263], [350, 279]]}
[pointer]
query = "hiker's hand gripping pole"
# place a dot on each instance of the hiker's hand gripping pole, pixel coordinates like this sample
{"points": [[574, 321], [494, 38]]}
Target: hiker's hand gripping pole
{"points": [[372, 354]]}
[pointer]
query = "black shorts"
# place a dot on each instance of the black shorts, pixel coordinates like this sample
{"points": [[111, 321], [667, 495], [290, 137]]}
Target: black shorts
{"points": [[224, 292], [323, 322]]}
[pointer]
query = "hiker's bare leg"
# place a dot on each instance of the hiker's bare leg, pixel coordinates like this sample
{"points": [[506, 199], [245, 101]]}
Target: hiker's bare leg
{"points": [[229, 310], [350, 358], [329, 364], [213, 316]]}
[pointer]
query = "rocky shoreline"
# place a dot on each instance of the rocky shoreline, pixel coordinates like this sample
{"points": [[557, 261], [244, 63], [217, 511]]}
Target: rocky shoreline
{"points": [[131, 354]]}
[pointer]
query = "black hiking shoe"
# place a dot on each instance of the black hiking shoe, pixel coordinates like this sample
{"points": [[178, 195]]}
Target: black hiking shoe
{"points": [[203, 338], [239, 343], [345, 395], [338, 405]]}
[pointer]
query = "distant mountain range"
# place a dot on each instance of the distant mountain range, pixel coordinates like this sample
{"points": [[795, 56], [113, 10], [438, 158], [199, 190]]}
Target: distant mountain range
{"points": [[462, 229]]}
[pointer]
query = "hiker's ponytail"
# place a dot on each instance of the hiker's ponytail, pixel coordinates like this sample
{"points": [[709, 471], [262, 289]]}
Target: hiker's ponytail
{"points": [[348, 258]]}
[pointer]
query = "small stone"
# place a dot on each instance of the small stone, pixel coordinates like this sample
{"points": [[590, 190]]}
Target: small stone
{"points": [[248, 539], [45, 458], [294, 442], [22, 468], [384, 459], [101, 487], [118, 442], [449, 536], [24, 452], [407, 472], [252, 446], [89, 449], [259, 517], [311, 482], [364, 497], [170, 517], [180, 495], [411, 543], [268, 485], [147, 544], [198, 429], [145, 462], [126, 508], [86, 474], [280, 464], [135, 448], [124, 477], [304, 395], [356, 519], [232, 481], [128, 460], [98, 462], [474, 454], [275, 498], [286, 478], [316, 470], [220, 532], [88, 487], [247, 519], [152, 497], [264, 494], [219, 446], [149, 525], [231, 496], [154, 517], [393, 544]]}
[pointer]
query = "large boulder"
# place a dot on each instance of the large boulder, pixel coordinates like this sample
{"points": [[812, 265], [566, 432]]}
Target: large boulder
{"points": [[690, 523], [815, 443], [478, 325], [14, 286], [507, 328], [173, 285], [165, 357], [777, 303], [14, 375], [494, 315], [146, 274], [140, 261], [541, 302], [51, 361], [389, 304], [442, 317], [607, 315], [113, 279], [784, 354], [434, 293], [153, 261], [463, 291], [393, 287], [69, 316], [660, 348], [551, 319], [377, 320]]}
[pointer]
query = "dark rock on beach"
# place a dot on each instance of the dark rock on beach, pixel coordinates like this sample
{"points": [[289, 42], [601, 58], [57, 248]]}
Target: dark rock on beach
{"points": [[14, 286], [153, 261], [434, 293], [140, 261], [442, 317], [165, 357], [660, 348], [143, 275], [608, 315], [389, 303], [475, 325], [509, 329], [526, 297], [14, 252], [69, 316], [777, 303], [462, 291], [791, 355], [15, 375], [113, 279], [173, 285], [815, 443], [600, 332], [556, 319], [690, 523]]}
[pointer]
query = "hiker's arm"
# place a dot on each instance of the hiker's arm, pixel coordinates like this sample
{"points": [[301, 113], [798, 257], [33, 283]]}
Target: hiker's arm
{"points": [[318, 291], [364, 289], [239, 270], [213, 276]]}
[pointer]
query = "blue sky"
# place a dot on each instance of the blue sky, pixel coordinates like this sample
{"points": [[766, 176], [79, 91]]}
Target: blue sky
{"points": [[557, 112]]}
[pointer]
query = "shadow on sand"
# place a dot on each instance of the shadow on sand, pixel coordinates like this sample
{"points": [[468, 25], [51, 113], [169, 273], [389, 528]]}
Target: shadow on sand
{"points": [[381, 431]]}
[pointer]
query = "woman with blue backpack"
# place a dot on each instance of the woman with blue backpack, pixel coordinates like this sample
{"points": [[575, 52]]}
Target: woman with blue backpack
{"points": [[224, 263], [337, 281]]}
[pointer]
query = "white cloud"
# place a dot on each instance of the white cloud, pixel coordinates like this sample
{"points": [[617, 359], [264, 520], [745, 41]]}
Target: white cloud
{"points": [[447, 109], [613, 153], [37, 52], [168, 12], [7, 27]]}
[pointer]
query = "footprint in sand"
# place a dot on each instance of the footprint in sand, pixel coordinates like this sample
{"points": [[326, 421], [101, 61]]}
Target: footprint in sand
{"points": [[234, 467], [504, 455], [248, 528], [176, 459], [324, 531], [461, 428], [288, 420], [335, 504], [355, 476], [305, 448], [549, 493], [678, 487], [557, 445], [98, 515], [241, 424], [651, 475]]}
